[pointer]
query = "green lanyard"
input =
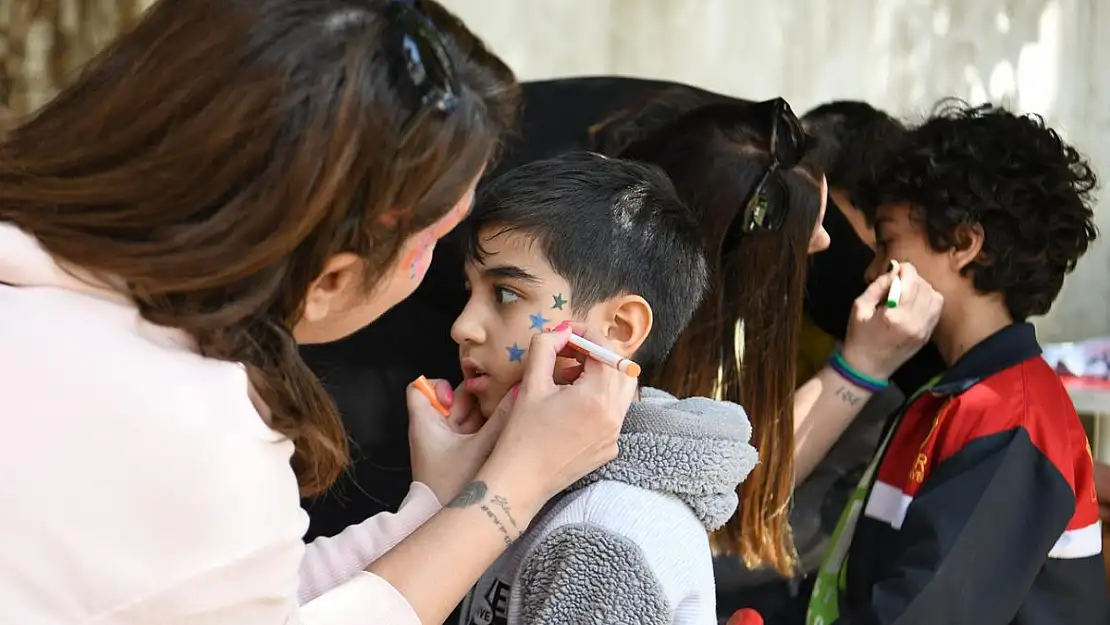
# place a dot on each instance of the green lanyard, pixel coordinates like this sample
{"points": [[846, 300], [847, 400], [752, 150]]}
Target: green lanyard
{"points": [[824, 603]]}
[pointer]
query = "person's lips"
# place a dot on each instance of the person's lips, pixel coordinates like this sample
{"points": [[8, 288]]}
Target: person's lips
{"points": [[475, 380], [476, 385]]}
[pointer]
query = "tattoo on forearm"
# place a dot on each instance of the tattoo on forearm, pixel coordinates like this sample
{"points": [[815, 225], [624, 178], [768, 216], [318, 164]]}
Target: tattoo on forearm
{"points": [[850, 398], [475, 493], [503, 503], [507, 537], [471, 494]]}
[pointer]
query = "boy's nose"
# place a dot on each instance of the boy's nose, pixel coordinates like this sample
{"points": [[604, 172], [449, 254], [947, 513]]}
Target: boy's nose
{"points": [[466, 329]]}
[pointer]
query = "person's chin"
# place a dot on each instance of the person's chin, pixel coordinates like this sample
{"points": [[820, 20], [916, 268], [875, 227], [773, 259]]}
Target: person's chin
{"points": [[490, 398], [487, 407]]}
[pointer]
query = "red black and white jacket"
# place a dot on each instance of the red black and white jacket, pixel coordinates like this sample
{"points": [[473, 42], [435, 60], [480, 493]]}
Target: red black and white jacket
{"points": [[983, 511]]}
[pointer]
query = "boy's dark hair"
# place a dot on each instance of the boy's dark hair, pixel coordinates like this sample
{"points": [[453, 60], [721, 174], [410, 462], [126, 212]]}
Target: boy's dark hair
{"points": [[984, 166], [609, 227], [853, 136]]}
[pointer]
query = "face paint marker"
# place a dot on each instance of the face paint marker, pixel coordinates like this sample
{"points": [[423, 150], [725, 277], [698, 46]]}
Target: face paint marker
{"points": [[604, 356], [895, 292], [425, 387]]}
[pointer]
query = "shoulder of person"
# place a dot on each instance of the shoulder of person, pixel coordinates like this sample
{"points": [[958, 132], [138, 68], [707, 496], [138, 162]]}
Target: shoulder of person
{"points": [[671, 538], [1027, 406], [641, 554], [146, 460], [1028, 396], [621, 506]]}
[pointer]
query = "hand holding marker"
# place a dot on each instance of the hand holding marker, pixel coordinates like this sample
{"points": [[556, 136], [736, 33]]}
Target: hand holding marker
{"points": [[425, 387], [603, 355], [895, 292], [575, 342]]}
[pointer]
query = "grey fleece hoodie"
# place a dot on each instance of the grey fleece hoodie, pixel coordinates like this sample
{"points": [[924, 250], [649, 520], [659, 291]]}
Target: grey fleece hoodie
{"points": [[629, 543]]}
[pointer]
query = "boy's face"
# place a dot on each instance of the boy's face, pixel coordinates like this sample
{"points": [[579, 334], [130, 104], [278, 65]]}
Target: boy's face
{"points": [[514, 295], [901, 237]]}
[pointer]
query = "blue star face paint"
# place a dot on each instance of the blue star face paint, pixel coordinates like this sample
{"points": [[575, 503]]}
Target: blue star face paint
{"points": [[516, 353], [538, 321]]}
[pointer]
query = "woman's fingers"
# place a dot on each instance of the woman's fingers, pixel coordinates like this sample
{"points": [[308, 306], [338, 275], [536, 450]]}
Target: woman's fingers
{"points": [[875, 295], [568, 373], [539, 362], [604, 381]]}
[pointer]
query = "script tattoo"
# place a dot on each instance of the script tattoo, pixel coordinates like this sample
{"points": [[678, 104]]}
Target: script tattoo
{"points": [[848, 396], [500, 526], [503, 503], [471, 494]]}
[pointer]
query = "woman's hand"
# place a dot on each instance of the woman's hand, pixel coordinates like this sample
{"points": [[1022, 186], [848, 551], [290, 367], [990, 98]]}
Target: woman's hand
{"points": [[550, 436], [448, 451], [881, 339], [555, 434]]}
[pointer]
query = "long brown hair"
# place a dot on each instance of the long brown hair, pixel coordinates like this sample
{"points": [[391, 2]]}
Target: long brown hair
{"points": [[715, 156], [214, 157]]}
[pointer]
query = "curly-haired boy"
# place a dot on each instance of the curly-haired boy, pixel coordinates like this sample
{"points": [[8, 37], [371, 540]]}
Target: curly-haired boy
{"points": [[980, 506]]}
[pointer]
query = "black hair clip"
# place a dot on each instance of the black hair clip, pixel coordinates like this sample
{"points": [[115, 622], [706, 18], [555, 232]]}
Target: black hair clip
{"points": [[425, 65], [787, 148]]}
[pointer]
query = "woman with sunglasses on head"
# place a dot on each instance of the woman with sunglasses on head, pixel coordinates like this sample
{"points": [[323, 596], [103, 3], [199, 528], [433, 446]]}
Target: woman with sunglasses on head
{"points": [[743, 170], [228, 179]]}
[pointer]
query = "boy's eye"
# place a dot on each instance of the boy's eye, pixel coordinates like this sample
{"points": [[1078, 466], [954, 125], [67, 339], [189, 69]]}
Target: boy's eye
{"points": [[504, 296]]}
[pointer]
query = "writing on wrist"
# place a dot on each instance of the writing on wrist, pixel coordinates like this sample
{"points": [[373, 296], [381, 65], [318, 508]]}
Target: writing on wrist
{"points": [[494, 506], [851, 396]]}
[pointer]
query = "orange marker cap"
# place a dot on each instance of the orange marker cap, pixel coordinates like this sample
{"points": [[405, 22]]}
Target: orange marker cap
{"points": [[425, 387]]}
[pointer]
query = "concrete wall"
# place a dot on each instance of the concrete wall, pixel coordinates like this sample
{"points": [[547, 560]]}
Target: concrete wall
{"points": [[902, 55]]}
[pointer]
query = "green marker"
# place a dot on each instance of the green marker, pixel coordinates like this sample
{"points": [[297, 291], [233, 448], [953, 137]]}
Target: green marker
{"points": [[895, 292]]}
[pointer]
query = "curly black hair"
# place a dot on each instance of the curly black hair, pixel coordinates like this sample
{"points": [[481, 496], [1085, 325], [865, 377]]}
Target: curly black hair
{"points": [[1012, 176]]}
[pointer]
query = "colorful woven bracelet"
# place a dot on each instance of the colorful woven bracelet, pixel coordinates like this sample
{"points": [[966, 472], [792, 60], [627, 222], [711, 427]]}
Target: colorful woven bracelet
{"points": [[848, 372]]}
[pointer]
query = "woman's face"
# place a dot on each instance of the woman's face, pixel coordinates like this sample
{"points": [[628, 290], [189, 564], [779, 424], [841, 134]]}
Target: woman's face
{"points": [[337, 304]]}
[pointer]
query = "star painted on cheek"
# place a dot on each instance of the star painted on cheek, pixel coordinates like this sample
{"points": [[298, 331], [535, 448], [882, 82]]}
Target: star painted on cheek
{"points": [[538, 321], [559, 301], [516, 353]]}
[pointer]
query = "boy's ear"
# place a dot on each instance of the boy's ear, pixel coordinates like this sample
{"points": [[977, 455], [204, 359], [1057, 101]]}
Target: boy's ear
{"points": [[969, 243], [627, 322]]}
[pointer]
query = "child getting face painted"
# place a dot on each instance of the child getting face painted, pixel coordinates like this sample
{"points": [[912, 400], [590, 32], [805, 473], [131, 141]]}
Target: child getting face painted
{"points": [[606, 243], [589, 248], [515, 293]]}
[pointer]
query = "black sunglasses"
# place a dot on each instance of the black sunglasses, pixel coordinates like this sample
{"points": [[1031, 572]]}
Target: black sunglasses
{"points": [[426, 68], [787, 147]]}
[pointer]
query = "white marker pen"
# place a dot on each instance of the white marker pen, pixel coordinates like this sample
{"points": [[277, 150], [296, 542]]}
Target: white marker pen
{"points": [[605, 356]]}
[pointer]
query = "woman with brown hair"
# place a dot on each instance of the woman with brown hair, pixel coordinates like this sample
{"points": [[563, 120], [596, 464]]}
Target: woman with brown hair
{"points": [[229, 179], [742, 169]]}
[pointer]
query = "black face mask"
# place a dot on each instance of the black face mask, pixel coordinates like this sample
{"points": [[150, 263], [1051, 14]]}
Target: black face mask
{"points": [[835, 277]]}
